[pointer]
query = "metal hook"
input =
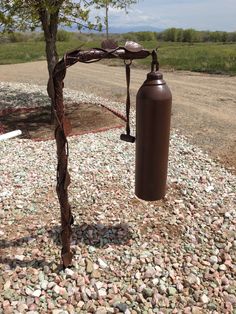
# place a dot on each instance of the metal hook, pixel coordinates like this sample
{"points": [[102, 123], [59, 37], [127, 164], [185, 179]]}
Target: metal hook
{"points": [[154, 60], [128, 63]]}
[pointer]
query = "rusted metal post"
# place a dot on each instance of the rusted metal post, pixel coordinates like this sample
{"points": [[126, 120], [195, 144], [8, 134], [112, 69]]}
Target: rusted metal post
{"points": [[62, 129], [63, 177]]}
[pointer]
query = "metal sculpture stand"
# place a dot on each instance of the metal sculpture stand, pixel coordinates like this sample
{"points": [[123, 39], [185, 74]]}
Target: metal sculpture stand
{"points": [[62, 128]]}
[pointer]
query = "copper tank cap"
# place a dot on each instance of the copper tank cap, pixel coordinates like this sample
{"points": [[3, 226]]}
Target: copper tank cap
{"points": [[155, 75]]}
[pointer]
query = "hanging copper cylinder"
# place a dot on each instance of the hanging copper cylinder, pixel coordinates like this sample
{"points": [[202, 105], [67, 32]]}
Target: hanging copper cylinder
{"points": [[153, 112]]}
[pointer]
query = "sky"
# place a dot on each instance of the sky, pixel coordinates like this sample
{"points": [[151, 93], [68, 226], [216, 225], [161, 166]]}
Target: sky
{"points": [[161, 14]]}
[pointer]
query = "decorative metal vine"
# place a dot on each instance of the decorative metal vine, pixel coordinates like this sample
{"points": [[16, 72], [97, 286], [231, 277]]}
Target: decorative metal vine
{"points": [[109, 50]]}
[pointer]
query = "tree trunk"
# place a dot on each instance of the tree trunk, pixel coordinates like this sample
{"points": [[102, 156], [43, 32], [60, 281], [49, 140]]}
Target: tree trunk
{"points": [[106, 20], [52, 59], [50, 24]]}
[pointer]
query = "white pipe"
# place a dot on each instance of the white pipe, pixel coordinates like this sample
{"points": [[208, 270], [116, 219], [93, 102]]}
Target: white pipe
{"points": [[8, 135]]}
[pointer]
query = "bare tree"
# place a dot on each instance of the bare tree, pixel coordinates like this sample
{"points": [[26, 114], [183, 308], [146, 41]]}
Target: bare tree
{"points": [[106, 4], [25, 15]]}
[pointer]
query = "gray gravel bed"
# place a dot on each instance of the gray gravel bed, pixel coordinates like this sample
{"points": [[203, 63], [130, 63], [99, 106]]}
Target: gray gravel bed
{"points": [[177, 255]]}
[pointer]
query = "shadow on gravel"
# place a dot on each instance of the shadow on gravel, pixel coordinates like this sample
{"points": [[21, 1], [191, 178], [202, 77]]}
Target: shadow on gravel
{"points": [[34, 263], [100, 235], [97, 235]]}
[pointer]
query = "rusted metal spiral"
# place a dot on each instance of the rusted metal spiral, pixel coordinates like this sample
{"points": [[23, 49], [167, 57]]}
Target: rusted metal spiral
{"points": [[62, 128]]}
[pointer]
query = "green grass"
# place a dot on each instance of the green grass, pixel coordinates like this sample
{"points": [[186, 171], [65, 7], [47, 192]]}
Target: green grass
{"points": [[202, 57], [21, 52]]}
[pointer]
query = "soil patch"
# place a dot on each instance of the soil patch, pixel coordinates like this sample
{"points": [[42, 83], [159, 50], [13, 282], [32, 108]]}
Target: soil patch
{"points": [[84, 118]]}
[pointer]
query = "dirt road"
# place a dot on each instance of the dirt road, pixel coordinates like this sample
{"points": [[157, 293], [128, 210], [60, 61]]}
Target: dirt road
{"points": [[204, 106]]}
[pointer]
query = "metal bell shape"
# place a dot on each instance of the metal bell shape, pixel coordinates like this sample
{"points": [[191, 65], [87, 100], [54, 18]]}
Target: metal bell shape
{"points": [[153, 112]]}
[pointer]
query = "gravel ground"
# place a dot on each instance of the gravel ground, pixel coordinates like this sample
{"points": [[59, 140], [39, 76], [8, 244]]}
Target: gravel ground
{"points": [[204, 105], [177, 255]]}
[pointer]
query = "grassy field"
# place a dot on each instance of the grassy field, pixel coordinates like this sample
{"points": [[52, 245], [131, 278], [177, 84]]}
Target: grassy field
{"points": [[203, 57]]}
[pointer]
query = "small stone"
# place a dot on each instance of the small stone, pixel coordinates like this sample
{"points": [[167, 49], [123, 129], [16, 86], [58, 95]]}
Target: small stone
{"points": [[36, 293], [140, 298], [171, 291], [44, 284], [91, 249], [158, 271], [54, 267], [96, 274], [101, 263], [150, 272], [122, 307], [29, 301], [80, 281], [8, 294], [41, 276], [224, 281], [223, 267], [102, 293], [89, 266], [7, 285], [192, 280], [163, 302], [5, 303], [162, 289], [220, 245], [204, 299], [147, 292], [155, 281], [69, 272], [33, 309], [231, 299], [19, 257], [46, 269], [98, 285], [196, 310], [59, 290], [80, 304], [51, 285], [179, 287], [209, 188], [58, 311], [212, 306], [101, 310], [22, 308], [213, 259], [51, 305], [88, 292]]}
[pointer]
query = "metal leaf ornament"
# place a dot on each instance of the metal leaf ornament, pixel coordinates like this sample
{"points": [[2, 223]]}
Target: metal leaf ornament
{"points": [[133, 46]]}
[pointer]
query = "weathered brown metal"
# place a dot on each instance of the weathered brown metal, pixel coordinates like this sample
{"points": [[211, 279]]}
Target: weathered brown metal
{"points": [[62, 128], [127, 137], [153, 111]]}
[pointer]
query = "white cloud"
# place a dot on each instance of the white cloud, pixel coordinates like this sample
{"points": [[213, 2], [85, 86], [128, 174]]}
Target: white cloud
{"points": [[199, 14]]}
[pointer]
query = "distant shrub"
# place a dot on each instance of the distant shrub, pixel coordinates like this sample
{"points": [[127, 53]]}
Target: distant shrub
{"points": [[39, 36], [4, 39], [146, 36], [17, 37], [193, 36], [63, 35]]}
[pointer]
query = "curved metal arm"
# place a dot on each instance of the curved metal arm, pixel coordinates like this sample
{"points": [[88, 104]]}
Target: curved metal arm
{"points": [[62, 129]]}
